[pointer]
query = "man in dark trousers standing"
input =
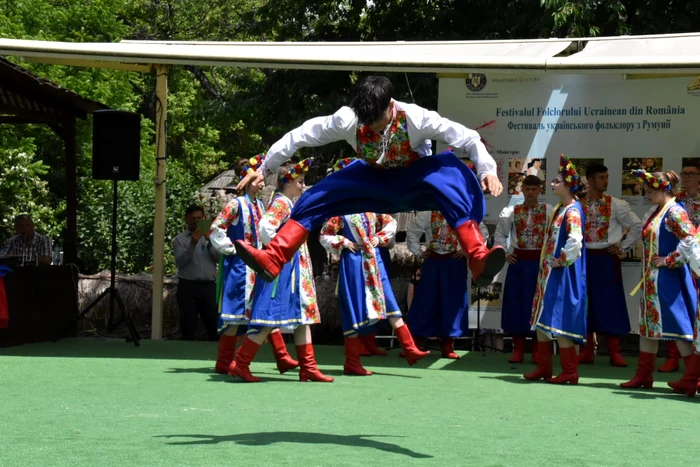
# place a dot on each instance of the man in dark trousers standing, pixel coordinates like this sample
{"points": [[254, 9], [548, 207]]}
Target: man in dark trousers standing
{"points": [[196, 262]]}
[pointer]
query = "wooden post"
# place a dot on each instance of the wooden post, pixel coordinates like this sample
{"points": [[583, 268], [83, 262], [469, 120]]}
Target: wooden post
{"points": [[159, 221], [70, 247]]}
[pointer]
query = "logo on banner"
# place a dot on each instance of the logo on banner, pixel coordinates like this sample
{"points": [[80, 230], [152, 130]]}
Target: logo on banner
{"points": [[694, 86], [476, 82]]}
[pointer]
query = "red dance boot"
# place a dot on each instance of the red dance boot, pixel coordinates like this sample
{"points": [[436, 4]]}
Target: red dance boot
{"points": [[673, 357], [446, 345], [309, 371], [364, 351], [544, 362], [352, 366], [227, 350], [587, 353], [519, 350], [569, 365], [483, 263], [644, 377], [268, 262], [614, 349], [285, 362], [688, 384], [419, 341], [370, 343], [240, 365], [412, 353]]}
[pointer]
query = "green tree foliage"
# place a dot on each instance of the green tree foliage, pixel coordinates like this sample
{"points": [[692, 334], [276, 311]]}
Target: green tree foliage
{"points": [[23, 189]]}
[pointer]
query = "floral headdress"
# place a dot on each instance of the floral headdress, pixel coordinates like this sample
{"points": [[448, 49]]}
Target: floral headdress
{"points": [[651, 181], [252, 165], [300, 169], [342, 163], [569, 174]]}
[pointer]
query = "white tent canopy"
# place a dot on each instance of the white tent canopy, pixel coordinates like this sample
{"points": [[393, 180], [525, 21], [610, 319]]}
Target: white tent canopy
{"points": [[679, 52], [656, 55]]}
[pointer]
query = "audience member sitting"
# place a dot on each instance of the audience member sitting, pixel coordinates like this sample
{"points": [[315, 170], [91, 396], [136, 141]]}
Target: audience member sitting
{"points": [[32, 247]]}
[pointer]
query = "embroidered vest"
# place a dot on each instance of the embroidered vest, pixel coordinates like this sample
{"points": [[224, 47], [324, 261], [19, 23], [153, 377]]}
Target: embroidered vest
{"points": [[394, 146]]}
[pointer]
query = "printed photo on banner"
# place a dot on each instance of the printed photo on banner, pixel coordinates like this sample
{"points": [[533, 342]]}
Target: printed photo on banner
{"points": [[582, 164], [515, 183], [517, 165], [537, 166], [632, 190], [490, 296]]}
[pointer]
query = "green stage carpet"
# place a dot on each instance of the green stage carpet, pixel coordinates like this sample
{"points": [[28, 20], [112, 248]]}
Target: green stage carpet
{"points": [[105, 402]]}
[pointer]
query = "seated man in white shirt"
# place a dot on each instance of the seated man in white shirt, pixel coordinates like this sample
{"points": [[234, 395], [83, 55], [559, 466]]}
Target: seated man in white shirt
{"points": [[31, 246]]}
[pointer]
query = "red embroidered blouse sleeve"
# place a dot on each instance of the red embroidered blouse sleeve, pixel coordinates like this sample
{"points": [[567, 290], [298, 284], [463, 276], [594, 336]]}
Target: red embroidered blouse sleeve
{"points": [[227, 216], [678, 223], [330, 237]]}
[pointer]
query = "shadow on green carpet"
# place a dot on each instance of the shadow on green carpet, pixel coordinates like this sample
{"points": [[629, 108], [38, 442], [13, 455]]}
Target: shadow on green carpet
{"points": [[268, 438]]}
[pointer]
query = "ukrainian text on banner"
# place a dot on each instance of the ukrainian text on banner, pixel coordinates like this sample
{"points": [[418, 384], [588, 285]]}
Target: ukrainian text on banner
{"points": [[528, 121]]}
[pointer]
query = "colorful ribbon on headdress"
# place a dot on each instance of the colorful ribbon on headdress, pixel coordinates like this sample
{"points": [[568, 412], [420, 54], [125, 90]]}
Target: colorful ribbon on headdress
{"points": [[300, 169], [253, 164], [342, 163], [569, 174], [651, 181]]}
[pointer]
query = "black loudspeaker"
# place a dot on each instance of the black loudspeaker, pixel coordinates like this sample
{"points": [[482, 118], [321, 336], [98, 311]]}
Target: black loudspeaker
{"points": [[116, 145]]}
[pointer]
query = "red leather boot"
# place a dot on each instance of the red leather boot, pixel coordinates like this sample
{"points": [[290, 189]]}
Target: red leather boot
{"points": [[285, 362], [615, 351], [420, 343], [447, 348], [569, 365], [227, 350], [673, 357], [688, 384], [353, 348], [644, 377], [587, 353], [410, 351], [519, 350], [483, 263], [268, 262], [534, 350], [309, 371], [370, 343], [544, 362], [240, 365]]}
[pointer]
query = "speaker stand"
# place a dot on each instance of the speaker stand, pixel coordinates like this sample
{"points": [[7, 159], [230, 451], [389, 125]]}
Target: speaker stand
{"points": [[112, 290]]}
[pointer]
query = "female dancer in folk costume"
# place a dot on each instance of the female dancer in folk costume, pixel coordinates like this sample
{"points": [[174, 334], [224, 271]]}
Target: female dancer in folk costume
{"points": [[290, 300], [386, 224], [239, 221], [689, 198], [559, 307], [669, 300], [439, 306], [363, 287], [396, 175], [525, 225]]}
